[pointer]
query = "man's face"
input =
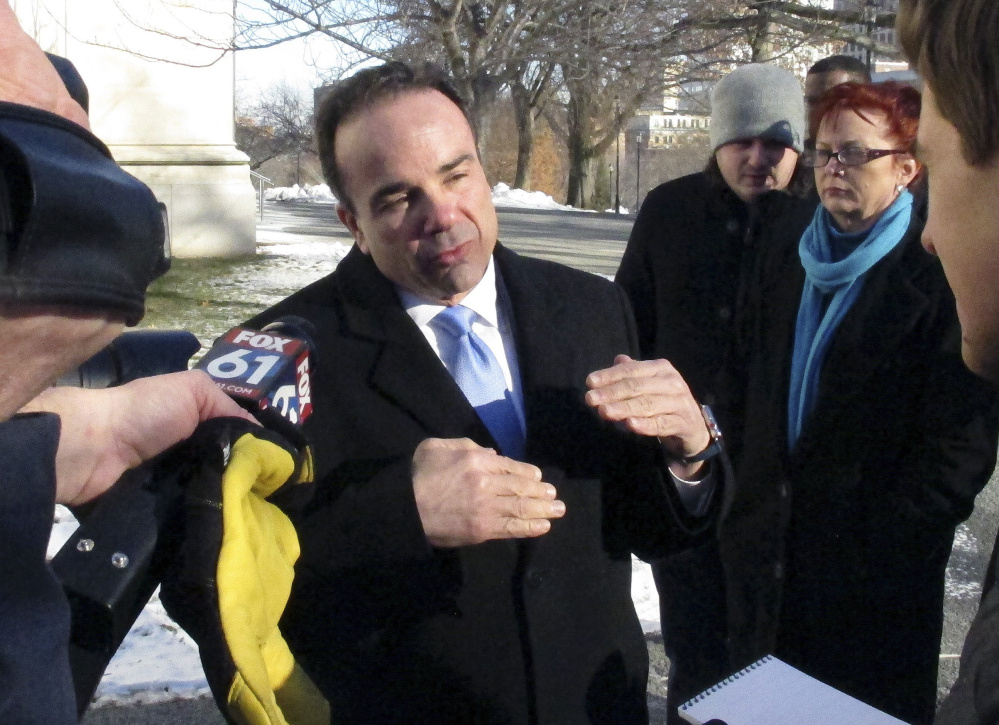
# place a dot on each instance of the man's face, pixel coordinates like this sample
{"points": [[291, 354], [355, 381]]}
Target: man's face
{"points": [[754, 166], [963, 230], [422, 206], [818, 83]]}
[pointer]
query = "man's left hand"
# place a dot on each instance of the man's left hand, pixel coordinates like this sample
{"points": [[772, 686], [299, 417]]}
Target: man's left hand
{"points": [[652, 399]]}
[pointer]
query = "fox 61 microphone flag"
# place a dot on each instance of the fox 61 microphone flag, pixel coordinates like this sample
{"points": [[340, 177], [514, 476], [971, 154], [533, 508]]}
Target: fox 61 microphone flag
{"points": [[263, 369]]}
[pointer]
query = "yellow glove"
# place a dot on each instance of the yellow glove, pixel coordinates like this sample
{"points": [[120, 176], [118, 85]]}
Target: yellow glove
{"points": [[236, 568]]}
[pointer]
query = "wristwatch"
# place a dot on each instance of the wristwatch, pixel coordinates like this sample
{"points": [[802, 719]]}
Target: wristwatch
{"points": [[716, 444]]}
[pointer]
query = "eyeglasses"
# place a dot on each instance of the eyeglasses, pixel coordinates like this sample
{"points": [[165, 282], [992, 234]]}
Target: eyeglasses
{"points": [[851, 156]]}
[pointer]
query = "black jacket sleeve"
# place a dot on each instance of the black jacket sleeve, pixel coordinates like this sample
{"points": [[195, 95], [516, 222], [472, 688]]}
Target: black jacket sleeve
{"points": [[35, 681]]}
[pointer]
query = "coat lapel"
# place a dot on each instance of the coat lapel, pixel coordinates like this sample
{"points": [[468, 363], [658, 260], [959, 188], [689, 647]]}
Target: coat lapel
{"points": [[405, 368], [542, 356]]}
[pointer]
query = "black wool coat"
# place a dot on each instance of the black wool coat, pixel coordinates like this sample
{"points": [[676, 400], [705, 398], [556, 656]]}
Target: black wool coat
{"points": [[834, 552], [530, 631], [689, 269]]}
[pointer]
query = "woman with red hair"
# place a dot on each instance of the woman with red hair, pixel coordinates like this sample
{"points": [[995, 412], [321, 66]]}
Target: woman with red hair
{"points": [[864, 439]]}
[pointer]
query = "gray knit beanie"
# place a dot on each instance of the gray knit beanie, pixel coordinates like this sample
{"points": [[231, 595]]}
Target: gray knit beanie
{"points": [[758, 101]]}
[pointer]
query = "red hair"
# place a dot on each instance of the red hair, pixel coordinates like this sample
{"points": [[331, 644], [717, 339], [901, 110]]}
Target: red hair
{"points": [[899, 102]]}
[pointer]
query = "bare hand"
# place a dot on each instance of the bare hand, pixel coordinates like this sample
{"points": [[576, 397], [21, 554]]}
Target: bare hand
{"points": [[26, 75], [652, 399], [103, 433], [467, 494]]}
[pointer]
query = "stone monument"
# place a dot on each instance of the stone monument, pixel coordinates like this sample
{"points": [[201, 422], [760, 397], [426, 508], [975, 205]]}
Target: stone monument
{"points": [[161, 97]]}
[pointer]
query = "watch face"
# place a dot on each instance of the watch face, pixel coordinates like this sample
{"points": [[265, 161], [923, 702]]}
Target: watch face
{"points": [[709, 419]]}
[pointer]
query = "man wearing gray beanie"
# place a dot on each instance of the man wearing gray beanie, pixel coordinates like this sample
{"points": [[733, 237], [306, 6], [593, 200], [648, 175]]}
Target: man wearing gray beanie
{"points": [[757, 115], [689, 254]]}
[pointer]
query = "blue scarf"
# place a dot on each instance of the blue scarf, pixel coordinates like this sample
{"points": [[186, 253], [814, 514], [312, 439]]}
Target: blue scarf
{"points": [[843, 279]]}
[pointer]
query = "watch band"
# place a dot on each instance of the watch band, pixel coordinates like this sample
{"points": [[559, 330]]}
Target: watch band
{"points": [[714, 447]]}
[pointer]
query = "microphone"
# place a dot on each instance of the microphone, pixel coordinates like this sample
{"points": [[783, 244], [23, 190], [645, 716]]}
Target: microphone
{"points": [[267, 369]]}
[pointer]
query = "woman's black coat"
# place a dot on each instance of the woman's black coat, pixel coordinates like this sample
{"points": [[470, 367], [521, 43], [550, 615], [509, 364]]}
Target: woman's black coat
{"points": [[834, 552]]}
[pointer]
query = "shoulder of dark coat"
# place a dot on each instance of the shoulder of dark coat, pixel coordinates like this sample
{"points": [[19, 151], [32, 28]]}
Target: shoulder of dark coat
{"points": [[680, 192]]}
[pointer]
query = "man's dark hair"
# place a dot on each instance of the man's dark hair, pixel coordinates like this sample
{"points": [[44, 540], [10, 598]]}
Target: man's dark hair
{"points": [[951, 43], [845, 63], [364, 89]]}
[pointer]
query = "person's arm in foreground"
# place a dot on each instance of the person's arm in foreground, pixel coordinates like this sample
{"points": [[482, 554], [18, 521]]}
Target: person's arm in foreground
{"points": [[106, 432]]}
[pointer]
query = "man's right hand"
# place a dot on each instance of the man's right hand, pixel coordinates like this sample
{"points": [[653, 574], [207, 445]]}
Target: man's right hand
{"points": [[467, 494]]}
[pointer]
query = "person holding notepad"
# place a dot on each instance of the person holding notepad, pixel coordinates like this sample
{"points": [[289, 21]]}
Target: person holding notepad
{"points": [[952, 45]]}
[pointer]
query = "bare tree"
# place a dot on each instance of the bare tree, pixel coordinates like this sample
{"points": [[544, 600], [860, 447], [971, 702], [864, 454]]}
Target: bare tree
{"points": [[277, 124], [582, 53]]}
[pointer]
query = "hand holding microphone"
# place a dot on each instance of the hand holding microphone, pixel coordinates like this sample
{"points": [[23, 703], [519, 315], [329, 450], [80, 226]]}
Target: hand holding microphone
{"points": [[156, 525]]}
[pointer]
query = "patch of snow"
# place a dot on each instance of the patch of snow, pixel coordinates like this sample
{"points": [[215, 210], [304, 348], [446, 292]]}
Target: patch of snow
{"points": [[965, 540], [157, 662], [295, 247], [504, 196], [645, 596], [320, 193]]}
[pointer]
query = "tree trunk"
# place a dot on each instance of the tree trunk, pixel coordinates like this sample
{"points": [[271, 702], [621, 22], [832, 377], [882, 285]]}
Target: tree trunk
{"points": [[524, 115], [578, 143], [578, 170], [761, 44], [484, 90]]}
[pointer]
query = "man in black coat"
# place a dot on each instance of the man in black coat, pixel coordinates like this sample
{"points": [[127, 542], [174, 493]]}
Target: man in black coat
{"points": [[442, 582], [690, 266], [952, 46]]}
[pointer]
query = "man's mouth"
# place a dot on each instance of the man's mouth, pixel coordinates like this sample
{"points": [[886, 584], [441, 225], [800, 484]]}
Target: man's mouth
{"points": [[452, 255]]}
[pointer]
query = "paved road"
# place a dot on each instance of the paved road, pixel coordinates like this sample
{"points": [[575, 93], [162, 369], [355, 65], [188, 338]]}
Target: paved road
{"points": [[594, 242]]}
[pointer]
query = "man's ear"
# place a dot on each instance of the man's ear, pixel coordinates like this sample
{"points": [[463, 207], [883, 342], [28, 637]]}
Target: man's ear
{"points": [[349, 220]]}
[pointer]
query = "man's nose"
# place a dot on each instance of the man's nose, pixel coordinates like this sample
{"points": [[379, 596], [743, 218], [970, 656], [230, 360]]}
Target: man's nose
{"points": [[441, 211], [760, 154]]}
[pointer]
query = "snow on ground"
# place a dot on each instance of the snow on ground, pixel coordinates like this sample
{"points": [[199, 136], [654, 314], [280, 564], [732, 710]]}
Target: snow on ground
{"points": [[320, 193], [506, 198], [958, 581], [503, 197]]}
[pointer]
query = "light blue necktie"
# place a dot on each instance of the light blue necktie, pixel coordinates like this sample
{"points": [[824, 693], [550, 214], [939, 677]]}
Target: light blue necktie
{"points": [[478, 373]]}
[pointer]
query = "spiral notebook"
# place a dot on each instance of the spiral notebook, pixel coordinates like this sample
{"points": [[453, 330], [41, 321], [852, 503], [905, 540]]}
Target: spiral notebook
{"points": [[772, 692]]}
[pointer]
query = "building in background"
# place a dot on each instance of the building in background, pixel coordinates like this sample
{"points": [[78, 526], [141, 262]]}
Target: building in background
{"points": [[677, 117], [871, 9], [163, 105]]}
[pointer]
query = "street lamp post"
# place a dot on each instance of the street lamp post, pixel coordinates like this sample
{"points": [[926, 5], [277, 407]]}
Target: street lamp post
{"points": [[870, 22], [617, 158], [638, 172]]}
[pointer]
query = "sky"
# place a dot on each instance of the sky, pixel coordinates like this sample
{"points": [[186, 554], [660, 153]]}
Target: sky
{"points": [[290, 62]]}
